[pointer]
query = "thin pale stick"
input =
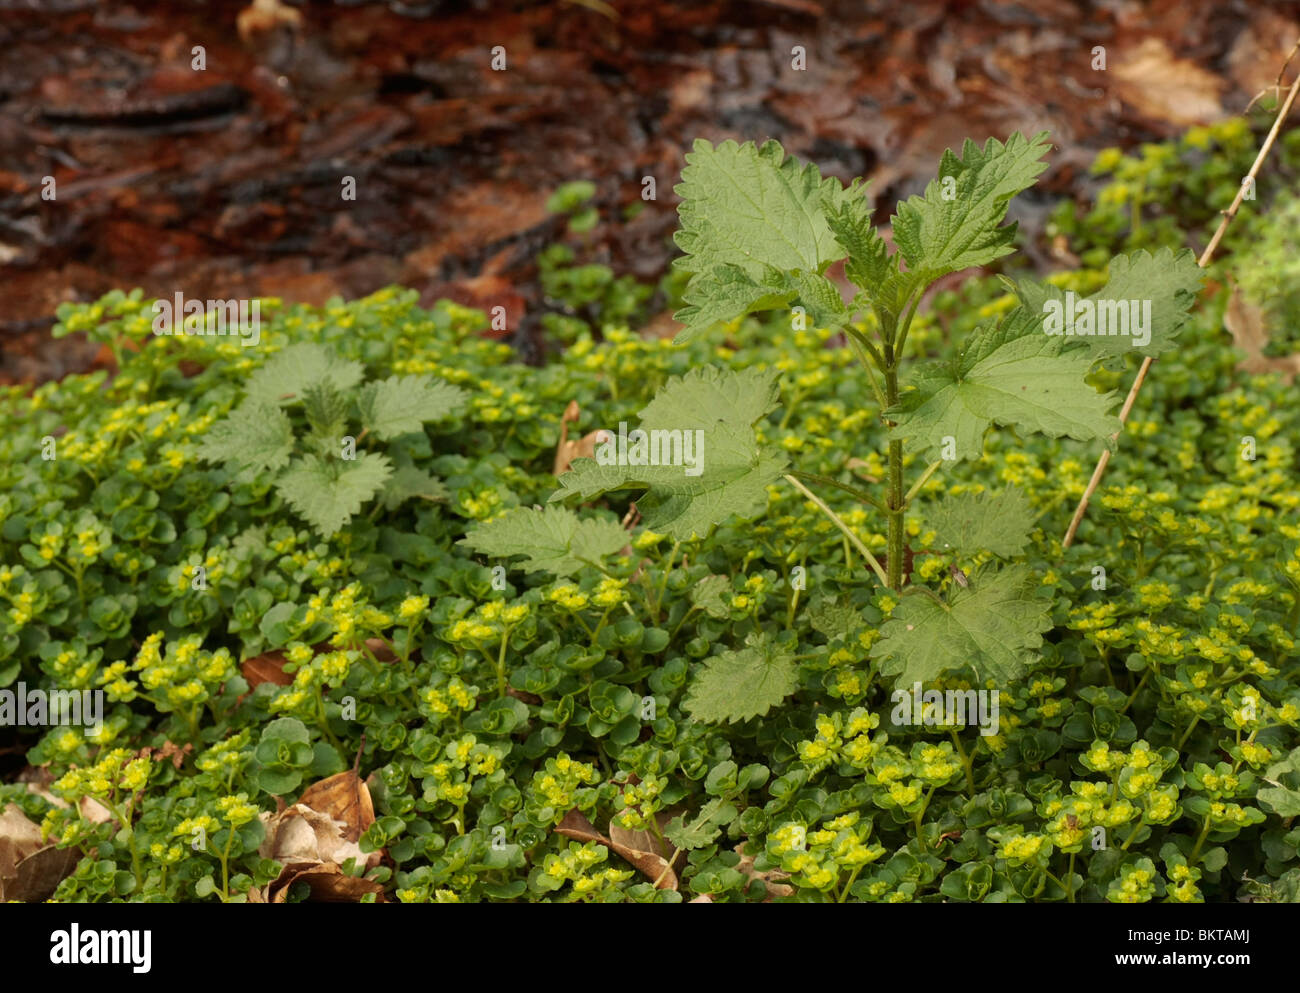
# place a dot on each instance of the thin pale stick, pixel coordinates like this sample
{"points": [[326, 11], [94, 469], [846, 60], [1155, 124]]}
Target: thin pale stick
{"points": [[1204, 260]]}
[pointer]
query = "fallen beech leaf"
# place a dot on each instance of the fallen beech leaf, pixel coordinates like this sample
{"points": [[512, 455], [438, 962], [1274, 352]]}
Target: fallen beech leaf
{"points": [[19, 837], [1245, 322], [576, 826], [774, 889], [38, 876], [345, 798], [645, 841], [267, 668], [30, 869], [1166, 88], [328, 883]]}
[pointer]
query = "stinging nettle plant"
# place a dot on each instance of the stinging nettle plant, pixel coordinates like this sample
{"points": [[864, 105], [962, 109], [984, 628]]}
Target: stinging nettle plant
{"points": [[294, 422], [759, 231]]}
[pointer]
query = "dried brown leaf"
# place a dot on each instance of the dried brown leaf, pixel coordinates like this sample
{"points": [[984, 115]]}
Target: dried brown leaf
{"points": [[265, 668], [1163, 87], [1249, 329], [651, 865], [328, 883], [345, 798], [30, 869]]}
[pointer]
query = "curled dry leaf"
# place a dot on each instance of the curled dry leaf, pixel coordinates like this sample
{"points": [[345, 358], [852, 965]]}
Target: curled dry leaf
{"points": [[584, 448], [316, 836], [328, 884], [30, 869], [301, 834], [770, 879], [650, 864], [1249, 330], [345, 798], [645, 841]]}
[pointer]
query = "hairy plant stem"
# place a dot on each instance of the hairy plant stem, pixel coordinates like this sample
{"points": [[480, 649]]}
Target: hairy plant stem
{"points": [[895, 514]]}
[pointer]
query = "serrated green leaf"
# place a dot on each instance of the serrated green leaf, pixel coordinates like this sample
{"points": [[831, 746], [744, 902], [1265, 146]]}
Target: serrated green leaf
{"points": [[870, 266], [751, 221], [733, 471], [326, 410], [402, 404], [256, 435], [553, 539], [957, 225], [328, 494], [1011, 374], [408, 482], [972, 522], [704, 828], [289, 372], [992, 626], [835, 620], [735, 686], [1165, 282], [712, 594], [708, 394], [726, 292]]}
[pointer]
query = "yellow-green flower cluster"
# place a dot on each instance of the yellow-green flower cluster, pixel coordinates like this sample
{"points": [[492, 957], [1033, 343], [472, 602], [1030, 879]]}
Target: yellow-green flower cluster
{"points": [[489, 623], [226, 758], [1136, 883], [236, 810], [115, 772], [559, 781], [637, 803], [438, 702], [843, 738], [575, 865], [818, 859], [182, 679]]}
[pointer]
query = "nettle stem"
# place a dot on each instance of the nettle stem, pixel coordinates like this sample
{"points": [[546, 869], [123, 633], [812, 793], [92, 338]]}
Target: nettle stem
{"points": [[897, 537]]}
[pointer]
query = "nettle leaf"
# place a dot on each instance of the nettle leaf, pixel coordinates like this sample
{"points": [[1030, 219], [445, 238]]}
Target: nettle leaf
{"points": [[553, 539], [993, 626], [704, 828], [289, 372], [1012, 374], [328, 493], [834, 619], [1163, 286], [955, 225], [408, 482], [712, 594], [735, 686], [726, 292], [870, 266], [718, 408], [402, 404], [256, 435], [972, 522], [326, 410], [754, 232]]}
